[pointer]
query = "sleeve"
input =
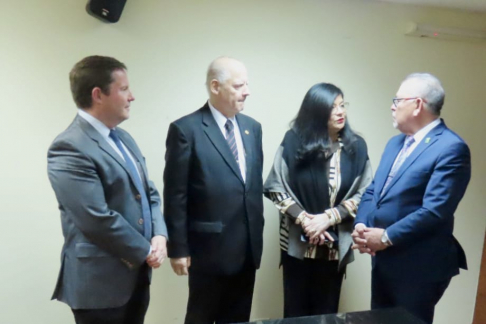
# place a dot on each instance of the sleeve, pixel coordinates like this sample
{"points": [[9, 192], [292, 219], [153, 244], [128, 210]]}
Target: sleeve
{"points": [[158, 223], [347, 209], [275, 187], [365, 205], [444, 191], [285, 204], [176, 177], [69, 168]]}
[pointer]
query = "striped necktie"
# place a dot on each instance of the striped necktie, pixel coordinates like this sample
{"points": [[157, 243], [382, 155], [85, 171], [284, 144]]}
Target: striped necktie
{"points": [[230, 138], [398, 163]]}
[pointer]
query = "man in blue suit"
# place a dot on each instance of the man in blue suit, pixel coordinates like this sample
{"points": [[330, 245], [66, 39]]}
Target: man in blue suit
{"points": [[406, 216]]}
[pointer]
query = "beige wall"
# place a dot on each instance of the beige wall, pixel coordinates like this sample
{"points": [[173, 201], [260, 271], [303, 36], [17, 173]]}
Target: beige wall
{"points": [[287, 46]]}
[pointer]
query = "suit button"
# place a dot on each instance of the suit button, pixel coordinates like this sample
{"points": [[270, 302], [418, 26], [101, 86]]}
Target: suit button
{"points": [[140, 221], [138, 197]]}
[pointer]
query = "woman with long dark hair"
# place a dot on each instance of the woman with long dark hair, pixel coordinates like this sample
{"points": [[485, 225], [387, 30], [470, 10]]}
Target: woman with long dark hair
{"points": [[320, 171]]}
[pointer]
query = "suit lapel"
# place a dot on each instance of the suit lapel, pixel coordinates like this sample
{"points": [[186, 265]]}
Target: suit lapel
{"points": [[249, 144], [388, 160], [137, 155], [424, 144], [214, 134], [103, 144]]}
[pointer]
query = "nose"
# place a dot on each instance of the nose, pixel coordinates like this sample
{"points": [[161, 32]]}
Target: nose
{"points": [[337, 111], [246, 91], [131, 97]]}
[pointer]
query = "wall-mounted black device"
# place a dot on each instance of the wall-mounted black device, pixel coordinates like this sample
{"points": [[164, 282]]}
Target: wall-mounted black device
{"points": [[106, 10]]}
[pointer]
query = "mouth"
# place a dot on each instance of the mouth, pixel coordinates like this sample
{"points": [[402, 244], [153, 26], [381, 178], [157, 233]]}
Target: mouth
{"points": [[340, 120]]}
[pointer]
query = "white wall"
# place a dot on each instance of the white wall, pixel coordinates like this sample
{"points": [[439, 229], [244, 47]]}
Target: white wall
{"points": [[287, 46]]}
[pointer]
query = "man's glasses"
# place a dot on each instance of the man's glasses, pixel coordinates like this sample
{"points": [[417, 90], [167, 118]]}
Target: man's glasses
{"points": [[396, 101]]}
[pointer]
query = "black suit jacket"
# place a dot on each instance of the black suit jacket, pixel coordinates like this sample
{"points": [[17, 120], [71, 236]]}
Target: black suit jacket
{"points": [[212, 215]]}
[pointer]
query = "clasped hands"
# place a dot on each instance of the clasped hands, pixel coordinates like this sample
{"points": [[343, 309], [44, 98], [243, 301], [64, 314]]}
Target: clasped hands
{"points": [[367, 239], [315, 228], [159, 251]]}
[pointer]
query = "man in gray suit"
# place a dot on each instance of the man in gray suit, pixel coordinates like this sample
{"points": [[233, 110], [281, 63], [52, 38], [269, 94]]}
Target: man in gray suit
{"points": [[113, 229]]}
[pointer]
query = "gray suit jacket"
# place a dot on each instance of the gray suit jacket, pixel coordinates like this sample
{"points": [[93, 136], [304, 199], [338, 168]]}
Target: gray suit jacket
{"points": [[101, 217]]}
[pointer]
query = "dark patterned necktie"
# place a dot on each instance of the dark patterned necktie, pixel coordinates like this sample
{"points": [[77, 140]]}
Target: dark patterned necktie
{"points": [[230, 138], [401, 158], [146, 214]]}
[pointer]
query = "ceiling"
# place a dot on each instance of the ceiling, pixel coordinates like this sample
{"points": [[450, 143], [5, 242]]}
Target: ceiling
{"points": [[469, 5]]}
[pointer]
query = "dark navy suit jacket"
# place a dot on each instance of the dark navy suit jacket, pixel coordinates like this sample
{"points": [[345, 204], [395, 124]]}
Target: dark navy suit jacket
{"points": [[417, 208], [212, 215]]}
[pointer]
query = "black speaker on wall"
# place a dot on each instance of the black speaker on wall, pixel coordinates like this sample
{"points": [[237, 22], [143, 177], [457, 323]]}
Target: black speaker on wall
{"points": [[106, 10]]}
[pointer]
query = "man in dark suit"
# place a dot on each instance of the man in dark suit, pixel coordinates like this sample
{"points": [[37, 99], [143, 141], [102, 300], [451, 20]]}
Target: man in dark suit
{"points": [[113, 229], [213, 199], [406, 216]]}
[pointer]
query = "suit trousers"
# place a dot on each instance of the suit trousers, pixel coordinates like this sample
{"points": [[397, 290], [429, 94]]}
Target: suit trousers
{"points": [[311, 286], [419, 298], [220, 299], [133, 312]]}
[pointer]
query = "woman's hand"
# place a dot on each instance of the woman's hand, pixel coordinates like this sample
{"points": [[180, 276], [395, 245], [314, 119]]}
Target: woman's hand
{"points": [[315, 227]]}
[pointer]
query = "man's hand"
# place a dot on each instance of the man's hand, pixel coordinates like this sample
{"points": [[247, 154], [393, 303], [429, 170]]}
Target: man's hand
{"points": [[316, 226], [359, 239], [159, 251], [367, 239], [181, 265], [373, 239]]}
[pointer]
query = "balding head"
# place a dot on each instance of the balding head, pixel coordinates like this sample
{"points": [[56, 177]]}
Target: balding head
{"points": [[227, 85], [219, 70]]}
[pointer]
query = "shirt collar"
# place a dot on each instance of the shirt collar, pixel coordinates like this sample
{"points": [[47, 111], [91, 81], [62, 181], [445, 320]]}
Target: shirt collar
{"points": [[418, 136], [219, 117], [96, 123]]}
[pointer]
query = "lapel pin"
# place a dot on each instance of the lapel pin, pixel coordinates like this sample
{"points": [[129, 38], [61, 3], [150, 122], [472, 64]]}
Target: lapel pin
{"points": [[247, 132], [427, 140]]}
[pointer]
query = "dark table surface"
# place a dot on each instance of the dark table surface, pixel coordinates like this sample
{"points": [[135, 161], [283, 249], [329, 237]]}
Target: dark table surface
{"points": [[379, 316]]}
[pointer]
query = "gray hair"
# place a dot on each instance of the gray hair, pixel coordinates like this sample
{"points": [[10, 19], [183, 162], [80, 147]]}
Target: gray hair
{"points": [[431, 90]]}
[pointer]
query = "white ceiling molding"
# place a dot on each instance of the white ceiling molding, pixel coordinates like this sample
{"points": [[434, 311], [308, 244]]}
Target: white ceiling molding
{"points": [[468, 5]]}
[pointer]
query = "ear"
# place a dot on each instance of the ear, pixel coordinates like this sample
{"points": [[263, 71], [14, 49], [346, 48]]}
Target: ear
{"points": [[96, 95], [419, 108], [214, 86]]}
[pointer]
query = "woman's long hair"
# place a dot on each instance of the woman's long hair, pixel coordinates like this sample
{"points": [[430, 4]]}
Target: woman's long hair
{"points": [[311, 122]]}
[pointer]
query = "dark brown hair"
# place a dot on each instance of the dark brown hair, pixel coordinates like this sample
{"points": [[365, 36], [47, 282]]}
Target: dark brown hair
{"points": [[89, 73]]}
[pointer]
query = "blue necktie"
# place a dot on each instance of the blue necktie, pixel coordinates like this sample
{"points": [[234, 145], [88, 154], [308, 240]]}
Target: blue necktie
{"points": [[400, 159], [146, 214]]}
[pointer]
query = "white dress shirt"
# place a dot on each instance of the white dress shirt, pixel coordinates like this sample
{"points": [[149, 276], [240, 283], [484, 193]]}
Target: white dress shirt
{"points": [[221, 121], [419, 136]]}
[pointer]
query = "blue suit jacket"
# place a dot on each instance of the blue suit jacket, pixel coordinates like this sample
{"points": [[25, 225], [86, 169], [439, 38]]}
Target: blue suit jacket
{"points": [[418, 206]]}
